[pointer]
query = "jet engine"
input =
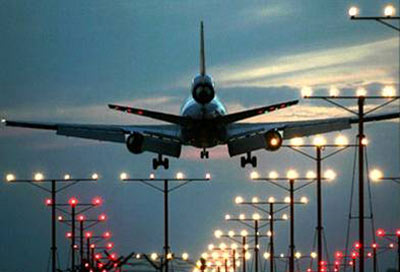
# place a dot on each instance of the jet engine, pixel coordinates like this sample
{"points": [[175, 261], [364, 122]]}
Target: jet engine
{"points": [[134, 143], [273, 140], [203, 89]]}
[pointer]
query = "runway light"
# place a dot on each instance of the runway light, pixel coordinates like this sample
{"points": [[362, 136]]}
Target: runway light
{"points": [[123, 176], [341, 140], [319, 140], [267, 255], [154, 256], [208, 176], [38, 177], [256, 216], [353, 11], [218, 233], [273, 175], [179, 175], [254, 175], [185, 256], [313, 255], [239, 200], [388, 91], [334, 92], [67, 177], [244, 233], [329, 174], [376, 175], [306, 91], [271, 199], [292, 174], [311, 175], [231, 233], [10, 177], [361, 92], [95, 176], [389, 11]]}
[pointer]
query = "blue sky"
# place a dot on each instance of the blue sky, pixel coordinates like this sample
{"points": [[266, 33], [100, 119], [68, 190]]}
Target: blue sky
{"points": [[65, 61]]}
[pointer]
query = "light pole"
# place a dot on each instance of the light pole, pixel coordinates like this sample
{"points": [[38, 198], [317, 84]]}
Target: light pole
{"points": [[389, 13], [362, 116], [38, 182], [392, 237], [291, 178], [165, 191]]}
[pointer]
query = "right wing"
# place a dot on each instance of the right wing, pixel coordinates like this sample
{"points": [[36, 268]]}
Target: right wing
{"points": [[161, 139]]}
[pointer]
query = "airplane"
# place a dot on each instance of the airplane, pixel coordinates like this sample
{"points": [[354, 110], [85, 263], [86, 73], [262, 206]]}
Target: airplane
{"points": [[203, 123]]}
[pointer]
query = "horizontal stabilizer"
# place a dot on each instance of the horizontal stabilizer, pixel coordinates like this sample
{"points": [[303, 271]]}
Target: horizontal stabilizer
{"points": [[166, 117], [234, 117]]}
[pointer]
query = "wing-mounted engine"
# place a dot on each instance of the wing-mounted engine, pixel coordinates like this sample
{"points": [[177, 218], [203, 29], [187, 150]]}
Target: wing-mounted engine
{"points": [[138, 143], [273, 140], [134, 143]]}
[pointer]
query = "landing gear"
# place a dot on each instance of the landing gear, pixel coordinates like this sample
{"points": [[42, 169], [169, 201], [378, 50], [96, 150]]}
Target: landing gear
{"points": [[248, 160], [160, 162], [204, 154]]}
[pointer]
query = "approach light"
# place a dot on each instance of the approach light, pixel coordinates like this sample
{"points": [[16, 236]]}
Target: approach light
{"points": [[353, 11], [297, 255], [271, 199], [10, 177], [287, 199], [73, 202], [154, 256], [95, 176], [123, 176], [304, 200], [376, 175], [334, 92], [107, 234], [169, 256], [81, 217], [285, 216], [364, 141], [102, 217], [311, 175], [185, 256], [231, 233], [389, 10], [88, 234], [97, 201], [269, 233], [227, 217], [210, 247], [67, 176], [110, 245], [256, 216], [330, 175], [38, 177], [239, 200], [380, 232], [254, 175], [179, 175], [273, 175], [222, 246], [292, 174], [267, 255], [319, 141], [218, 233], [306, 91], [341, 140], [313, 255], [48, 202], [388, 91], [254, 200], [361, 92], [247, 255], [244, 233], [297, 141], [60, 218], [152, 176], [208, 176]]}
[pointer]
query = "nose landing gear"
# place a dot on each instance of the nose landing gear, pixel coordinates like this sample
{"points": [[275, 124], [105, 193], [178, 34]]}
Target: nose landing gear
{"points": [[248, 160], [160, 162], [204, 154]]}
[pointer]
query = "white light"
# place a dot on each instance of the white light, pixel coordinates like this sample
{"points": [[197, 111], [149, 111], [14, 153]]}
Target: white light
{"points": [[273, 175], [38, 177], [271, 199], [231, 233], [256, 216], [123, 176], [222, 246], [282, 255], [169, 256], [376, 175], [269, 233], [313, 255], [341, 140], [204, 255], [267, 255], [353, 11], [210, 247], [152, 176], [234, 246], [285, 216], [296, 141], [3, 120], [179, 175], [227, 217], [244, 233], [185, 256], [10, 177], [389, 11], [388, 91], [254, 200], [154, 256], [242, 216], [218, 233], [333, 91], [239, 200], [215, 255], [311, 175], [95, 176], [306, 91], [330, 175], [292, 174], [319, 140], [297, 255], [208, 176], [67, 177], [364, 141], [361, 92], [138, 256], [304, 200], [287, 199], [254, 175], [247, 255]]}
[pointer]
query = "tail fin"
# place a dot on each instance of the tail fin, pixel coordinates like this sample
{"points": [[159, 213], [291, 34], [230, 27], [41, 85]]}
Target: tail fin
{"points": [[202, 57]]}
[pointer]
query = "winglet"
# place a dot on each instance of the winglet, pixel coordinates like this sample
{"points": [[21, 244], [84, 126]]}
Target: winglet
{"points": [[202, 53]]}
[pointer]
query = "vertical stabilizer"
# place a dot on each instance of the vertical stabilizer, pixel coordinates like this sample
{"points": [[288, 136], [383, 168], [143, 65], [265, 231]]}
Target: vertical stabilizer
{"points": [[202, 57]]}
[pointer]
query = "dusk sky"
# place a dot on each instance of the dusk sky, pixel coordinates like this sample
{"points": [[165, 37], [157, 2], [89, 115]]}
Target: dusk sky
{"points": [[64, 61]]}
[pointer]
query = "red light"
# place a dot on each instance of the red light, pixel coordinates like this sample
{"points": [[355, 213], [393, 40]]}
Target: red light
{"points": [[102, 217], [92, 246], [357, 245], [97, 256], [48, 202], [398, 232], [337, 262], [140, 112], [351, 263], [81, 217], [391, 245], [339, 254], [97, 201], [75, 246], [374, 245], [60, 218], [380, 232], [113, 256], [309, 270], [322, 263], [73, 202], [354, 255], [110, 245], [107, 234], [68, 235], [88, 234]]}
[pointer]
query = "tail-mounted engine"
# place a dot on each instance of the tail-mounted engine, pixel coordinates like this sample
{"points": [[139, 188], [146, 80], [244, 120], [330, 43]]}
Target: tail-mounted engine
{"points": [[203, 89]]}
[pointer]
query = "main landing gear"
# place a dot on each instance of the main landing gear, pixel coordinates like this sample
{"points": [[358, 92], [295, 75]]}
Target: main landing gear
{"points": [[248, 160], [204, 154], [160, 162]]}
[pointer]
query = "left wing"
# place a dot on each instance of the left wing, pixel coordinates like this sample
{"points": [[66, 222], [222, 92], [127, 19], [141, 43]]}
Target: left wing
{"points": [[246, 137]]}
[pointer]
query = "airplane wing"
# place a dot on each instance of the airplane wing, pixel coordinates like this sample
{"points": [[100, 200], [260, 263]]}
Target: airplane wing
{"points": [[161, 139], [234, 117], [247, 137]]}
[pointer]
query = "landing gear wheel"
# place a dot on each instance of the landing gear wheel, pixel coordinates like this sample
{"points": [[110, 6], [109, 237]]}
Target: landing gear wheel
{"points": [[166, 164], [254, 162], [204, 154], [248, 160], [160, 162], [243, 162]]}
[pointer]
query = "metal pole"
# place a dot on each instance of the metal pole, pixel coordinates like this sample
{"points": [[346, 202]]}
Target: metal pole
{"points": [[361, 101], [87, 250], [92, 257], [53, 227], [234, 260], [256, 249], [244, 253], [166, 245], [271, 238], [375, 259], [319, 209], [398, 253], [291, 257], [73, 238], [226, 265], [81, 242]]}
